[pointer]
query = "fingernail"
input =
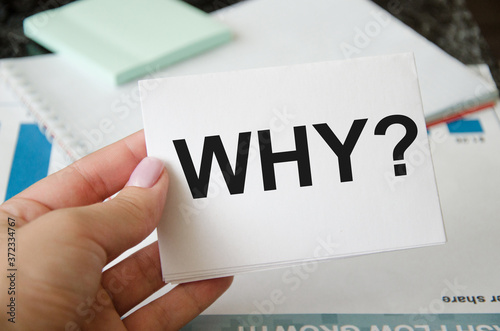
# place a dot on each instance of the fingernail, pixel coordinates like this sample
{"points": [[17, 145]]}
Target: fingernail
{"points": [[146, 173]]}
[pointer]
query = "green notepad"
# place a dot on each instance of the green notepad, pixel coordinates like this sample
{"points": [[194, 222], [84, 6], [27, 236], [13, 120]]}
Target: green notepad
{"points": [[124, 39]]}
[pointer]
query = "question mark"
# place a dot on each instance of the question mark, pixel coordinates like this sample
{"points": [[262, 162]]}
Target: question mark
{"points": [[411, 134]]}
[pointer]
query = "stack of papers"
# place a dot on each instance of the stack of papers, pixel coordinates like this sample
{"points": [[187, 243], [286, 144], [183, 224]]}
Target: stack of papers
{"points": [[268, 165]]}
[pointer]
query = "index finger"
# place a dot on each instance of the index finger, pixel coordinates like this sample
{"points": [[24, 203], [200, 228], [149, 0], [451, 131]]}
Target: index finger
{"points": [[89, 180]]}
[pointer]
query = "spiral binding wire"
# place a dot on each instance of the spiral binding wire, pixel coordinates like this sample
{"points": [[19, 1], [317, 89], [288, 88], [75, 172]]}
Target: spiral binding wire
{"points": [[46, 116]]}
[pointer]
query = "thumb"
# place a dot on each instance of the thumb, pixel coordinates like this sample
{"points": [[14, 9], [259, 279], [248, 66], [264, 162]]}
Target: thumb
{"points": [[129, 217]]}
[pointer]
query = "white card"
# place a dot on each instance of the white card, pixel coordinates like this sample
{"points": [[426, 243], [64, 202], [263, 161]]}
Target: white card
{"points": [[308, 153]]}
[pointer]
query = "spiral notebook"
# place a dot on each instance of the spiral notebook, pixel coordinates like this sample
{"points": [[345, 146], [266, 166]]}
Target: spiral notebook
{"points": [[83, 113]]}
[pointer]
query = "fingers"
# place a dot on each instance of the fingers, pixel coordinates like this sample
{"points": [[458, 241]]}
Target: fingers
{"points": [[134, 279], [179, 306], [132, 215], [89, 180]]}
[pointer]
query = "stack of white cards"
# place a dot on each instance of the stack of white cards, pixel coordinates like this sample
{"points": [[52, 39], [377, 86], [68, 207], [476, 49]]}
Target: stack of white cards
{"points": [[280, 166]]}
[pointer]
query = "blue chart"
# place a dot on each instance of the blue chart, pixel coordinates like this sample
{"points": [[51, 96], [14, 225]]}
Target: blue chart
{"points": [[465, 126], [31, 159]]}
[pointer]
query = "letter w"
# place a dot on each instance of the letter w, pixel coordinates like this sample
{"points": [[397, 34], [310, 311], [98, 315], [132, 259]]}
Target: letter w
{"points": [[198, 184]]}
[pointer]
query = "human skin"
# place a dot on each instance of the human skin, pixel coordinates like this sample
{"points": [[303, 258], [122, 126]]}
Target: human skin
{"points": [[65, 235]]}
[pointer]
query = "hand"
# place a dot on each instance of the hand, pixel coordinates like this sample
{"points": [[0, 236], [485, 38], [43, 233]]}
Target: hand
{"points": [[65, 234]]}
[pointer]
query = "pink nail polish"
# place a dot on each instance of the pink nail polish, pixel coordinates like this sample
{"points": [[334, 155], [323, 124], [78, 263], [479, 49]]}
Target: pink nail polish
{"points": [[146, 173]]}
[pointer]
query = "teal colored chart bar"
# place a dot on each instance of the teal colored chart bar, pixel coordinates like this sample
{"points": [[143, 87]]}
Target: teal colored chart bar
{"points": [[31, 159], [346, 322]]}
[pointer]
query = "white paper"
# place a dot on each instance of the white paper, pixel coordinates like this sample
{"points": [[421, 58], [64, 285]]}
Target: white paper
{"points": [[223, 233], [267, 33], [13, 113]]}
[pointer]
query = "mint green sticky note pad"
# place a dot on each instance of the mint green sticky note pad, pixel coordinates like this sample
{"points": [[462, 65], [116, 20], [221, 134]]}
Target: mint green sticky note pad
{"points": [[124, 39]]}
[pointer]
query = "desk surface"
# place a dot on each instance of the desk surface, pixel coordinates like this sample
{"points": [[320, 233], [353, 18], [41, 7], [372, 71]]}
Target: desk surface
{"points": [[447, 23]]}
